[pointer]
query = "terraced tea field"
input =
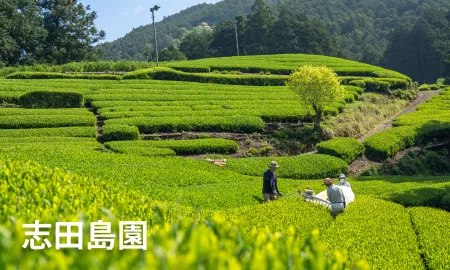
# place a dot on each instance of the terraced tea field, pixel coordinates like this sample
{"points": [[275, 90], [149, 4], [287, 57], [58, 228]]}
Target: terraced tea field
{"points": [[92, 162]]}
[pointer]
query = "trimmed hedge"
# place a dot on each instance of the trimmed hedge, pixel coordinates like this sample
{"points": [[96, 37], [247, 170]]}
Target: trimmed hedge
{"points": [[237, 124], [347, 149], [175, 75], [120, 133], [51, 99], [90, 131], [372, 85], [182, 147], [53, 75], [432, 235], [45, 121], [387, 143], [143, 151], [296, 167]]}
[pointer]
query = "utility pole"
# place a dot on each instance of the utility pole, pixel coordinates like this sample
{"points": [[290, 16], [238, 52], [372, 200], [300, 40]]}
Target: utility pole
{"points": [[152, 10], [237, 40]]}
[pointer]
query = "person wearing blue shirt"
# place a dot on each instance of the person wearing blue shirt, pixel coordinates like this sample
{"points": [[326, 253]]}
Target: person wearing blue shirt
{"points": [[270, 185]]}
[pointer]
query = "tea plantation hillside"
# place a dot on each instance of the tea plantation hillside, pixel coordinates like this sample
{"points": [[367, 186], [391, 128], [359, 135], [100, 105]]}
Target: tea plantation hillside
{"points": [[87, 147]]}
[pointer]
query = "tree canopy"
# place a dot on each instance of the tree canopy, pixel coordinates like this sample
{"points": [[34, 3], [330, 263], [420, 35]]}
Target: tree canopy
{"points": [[47, 31], [316, 87]]}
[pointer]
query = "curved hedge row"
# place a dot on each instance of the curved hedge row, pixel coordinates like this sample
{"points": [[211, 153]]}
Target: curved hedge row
{"points": [[45, 121], [347, 149], [285, 64], [142, 151], [86, 131], [175, 75], [53, 75], [432, 236], [387, 143], [296, 167], [368, 223], [430, 123], [182, 147], [21, 112], [238, 124]]}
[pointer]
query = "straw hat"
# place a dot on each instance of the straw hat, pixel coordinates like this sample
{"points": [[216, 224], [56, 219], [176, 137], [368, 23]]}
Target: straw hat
{"points": [[327, 181], [274, 164]]}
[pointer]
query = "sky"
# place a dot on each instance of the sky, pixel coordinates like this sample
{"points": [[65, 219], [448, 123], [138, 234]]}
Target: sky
{"points": [[117, 18]]}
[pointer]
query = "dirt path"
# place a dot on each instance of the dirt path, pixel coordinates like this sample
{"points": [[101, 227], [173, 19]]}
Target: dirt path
{"points": [[421, 98]]}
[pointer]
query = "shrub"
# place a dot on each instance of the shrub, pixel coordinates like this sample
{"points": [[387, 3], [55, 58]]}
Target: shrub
{"points": [[296, 167], [143, 151], [387, 143], [422, 163], [372, 85], [182, 147], [430, 233], [51, 99], [371, 171], [347, 149], [425, 87], [120, 133], [237, 124]]}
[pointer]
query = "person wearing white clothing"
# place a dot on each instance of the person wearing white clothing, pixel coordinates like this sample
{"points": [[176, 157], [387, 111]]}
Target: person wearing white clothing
{"points": [[343, 181]]}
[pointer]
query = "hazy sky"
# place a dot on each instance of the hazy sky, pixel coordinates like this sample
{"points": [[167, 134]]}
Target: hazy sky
{"points": [[119, 17]]}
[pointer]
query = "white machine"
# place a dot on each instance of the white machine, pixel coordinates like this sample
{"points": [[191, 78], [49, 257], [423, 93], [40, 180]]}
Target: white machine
{"points": [[322, 198]]}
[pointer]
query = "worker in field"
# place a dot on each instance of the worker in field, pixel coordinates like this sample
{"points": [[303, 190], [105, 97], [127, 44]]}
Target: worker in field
{"points": [[270, 187], [343, 181], [335, 196]]}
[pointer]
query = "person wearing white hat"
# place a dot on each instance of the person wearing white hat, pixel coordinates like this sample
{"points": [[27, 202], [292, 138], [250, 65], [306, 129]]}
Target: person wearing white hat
{"points": [[270, 185], [343, 181]]}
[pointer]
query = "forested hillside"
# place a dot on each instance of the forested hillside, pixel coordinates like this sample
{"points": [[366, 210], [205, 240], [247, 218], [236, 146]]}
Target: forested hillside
{"points": [[374, 32]]}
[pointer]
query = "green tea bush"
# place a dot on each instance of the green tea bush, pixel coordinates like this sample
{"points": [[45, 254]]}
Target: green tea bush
{"points": [[87, 131], [120, 133], [369, 223], [51, 99], [238, 124], [21, 112], [347, 149], [50, 75], [281, 216], [372, 85], [423, 163], [171, 74], [142, 151], [432, 236], [387, 143], [296, 167], [285, 64], [33, 192], [45, 121], [182, 147]]}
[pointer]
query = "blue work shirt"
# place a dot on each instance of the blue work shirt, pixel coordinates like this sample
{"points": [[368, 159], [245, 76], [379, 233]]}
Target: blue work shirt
{"points": [[270, 183]]}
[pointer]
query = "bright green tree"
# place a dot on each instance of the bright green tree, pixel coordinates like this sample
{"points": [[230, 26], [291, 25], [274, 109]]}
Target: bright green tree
{"points": [[316, 87]]}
